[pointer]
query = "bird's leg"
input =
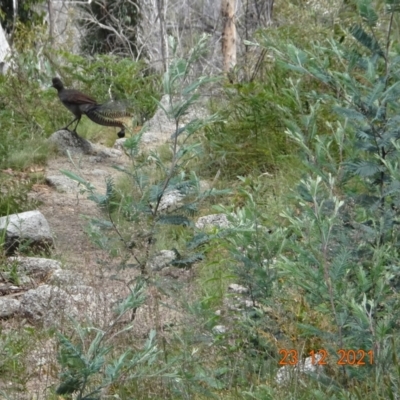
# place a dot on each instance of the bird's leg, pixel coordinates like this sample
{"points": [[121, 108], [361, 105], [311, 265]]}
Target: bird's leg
{"points": [[66, 128], [79, 120]]}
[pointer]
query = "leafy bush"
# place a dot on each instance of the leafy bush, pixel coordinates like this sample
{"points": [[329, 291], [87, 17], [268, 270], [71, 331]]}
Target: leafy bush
{"points": [[327, 273], [25, 115], [331, 272], [251, 137], [121, 78]]}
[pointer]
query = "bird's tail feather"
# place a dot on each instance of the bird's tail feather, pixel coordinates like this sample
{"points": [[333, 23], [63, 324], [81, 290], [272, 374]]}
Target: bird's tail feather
{"points": [[107, 114]]}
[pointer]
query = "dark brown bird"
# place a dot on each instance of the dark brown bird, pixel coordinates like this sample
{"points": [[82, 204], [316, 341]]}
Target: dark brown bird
{"points": [[81, 104]]}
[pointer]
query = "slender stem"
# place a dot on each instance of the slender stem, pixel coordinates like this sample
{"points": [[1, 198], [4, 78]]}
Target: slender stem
{"points": [[388, 46], [122, 238]]}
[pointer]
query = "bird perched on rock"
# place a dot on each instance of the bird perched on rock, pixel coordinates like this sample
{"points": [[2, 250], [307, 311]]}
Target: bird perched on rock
{"points": [[81, 104]]}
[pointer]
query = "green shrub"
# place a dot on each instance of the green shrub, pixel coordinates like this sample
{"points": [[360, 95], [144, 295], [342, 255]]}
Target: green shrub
{"points": [[105, 75], [252, 138], [338, 254]]}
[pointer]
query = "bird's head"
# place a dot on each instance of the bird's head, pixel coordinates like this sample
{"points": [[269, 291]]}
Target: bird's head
{"points": [[57, 84]]}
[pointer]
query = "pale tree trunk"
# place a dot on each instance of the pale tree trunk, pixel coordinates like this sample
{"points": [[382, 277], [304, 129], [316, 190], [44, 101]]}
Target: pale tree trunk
{"points": [[15, 16], [228, 34], [51, 20], [270, 7], [4, 52], [163, 36]]}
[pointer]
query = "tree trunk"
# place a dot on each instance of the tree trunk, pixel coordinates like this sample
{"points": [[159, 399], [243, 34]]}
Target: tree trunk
{"points": [[4, 52], [15, 17], [270, 7], [228, 34], [163, 35], [51, 20]]}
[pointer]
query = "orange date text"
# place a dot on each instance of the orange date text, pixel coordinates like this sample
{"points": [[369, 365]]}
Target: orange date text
{"points": [[321, 357]]}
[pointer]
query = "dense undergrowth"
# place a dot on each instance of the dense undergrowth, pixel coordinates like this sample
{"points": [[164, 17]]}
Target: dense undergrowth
{"points": [[309, 151]]}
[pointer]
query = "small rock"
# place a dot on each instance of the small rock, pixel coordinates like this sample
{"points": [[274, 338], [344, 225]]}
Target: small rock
{"points": [[170, 199], [30, 228], [248, 304], [102, 153], [235, 288], [61, 183], [48, 305], [38, 268], [64, 277], [217, 220], [219, 329], [8, 307], [111, 153], [119, 143], [239, 304], [162, 259]]}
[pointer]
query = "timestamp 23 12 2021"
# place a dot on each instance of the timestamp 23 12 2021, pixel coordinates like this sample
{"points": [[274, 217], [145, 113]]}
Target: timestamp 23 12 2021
{"points": [[321, 357]]}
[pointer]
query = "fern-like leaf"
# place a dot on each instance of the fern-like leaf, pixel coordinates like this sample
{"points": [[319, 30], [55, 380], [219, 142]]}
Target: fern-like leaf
{"points": [[375, 92], [189, 209], [367, 13], [350, 114], [105, 201], [366, 40], [198, 240], [364, 168]]}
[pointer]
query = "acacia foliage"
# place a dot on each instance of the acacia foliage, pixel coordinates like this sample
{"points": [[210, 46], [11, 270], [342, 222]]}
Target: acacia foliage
{"points": [[335, 250]]}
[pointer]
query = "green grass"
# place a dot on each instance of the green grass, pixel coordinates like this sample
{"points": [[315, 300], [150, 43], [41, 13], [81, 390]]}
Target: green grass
{"points": [[16, 349], [14, 193]]}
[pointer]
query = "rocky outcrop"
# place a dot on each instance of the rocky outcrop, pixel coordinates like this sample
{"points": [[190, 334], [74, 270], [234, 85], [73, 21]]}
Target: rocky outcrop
{"points": [[28, 229], [41, 291], [66, 141]]}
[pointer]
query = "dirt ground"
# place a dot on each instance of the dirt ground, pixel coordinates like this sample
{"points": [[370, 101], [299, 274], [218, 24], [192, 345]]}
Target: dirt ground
{"points": [[65, 211]]}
